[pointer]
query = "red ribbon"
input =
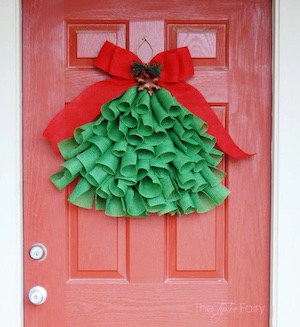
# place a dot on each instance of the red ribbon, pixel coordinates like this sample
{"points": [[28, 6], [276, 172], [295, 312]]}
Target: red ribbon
{"points": [[177, 67]]}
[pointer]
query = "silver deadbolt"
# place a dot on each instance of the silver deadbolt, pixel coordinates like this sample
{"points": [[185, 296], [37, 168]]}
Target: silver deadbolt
{"points": [[37, 295], [38, 251]]}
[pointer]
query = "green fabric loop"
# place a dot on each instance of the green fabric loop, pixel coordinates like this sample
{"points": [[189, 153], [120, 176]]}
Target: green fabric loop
{"points": [[144, 154], [145, 124], [114, 190], [159, 135], [104, 189], [163, 117], [199, 124], [150, 186], [170, 208], [169, 102], [205, 203], [98, 174], [145, 151], [160, 168], [69, 148], [188, 133], [217, 193], [89, 179], [217, 155], [206, 141], [212, 175], [118, 188], [101, 128], [135, 204], [83, 133], [212, 158], [185, 118], [127, 99], [110, 110], [119, 148], [201, 183], [128, 164], [186, 203], [73, 167], [143, 103], [83, 194], [60, 180], [123, 130], [128, 180], [109, 162], [102, 143], [177, 141], [179, 129], [115, 207], [113, 132], [186, 181], [199, 162], [134, 137], [130, 119], [192, 147], [167, 187], [100, 203], [143, 166], [89, 157], [166, 151], [189, 129], [182, 162], [175, 194], [156, 204]]}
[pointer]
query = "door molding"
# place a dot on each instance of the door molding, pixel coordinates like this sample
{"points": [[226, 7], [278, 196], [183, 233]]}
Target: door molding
{"points": [[285, 226]]}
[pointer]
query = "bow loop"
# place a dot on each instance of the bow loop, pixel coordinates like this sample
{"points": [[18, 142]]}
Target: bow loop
{"points": [[116, 61], [177, 65]]}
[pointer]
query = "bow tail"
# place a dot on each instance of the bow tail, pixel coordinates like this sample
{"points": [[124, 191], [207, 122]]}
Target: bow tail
{"points": [[84, 109], [193, 100]]}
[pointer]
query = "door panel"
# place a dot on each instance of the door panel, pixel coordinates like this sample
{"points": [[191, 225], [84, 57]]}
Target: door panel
{"points": [[195, 270]]}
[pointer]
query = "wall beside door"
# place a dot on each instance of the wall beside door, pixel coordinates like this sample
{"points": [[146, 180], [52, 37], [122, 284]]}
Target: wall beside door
{"points": [[11, 303]]}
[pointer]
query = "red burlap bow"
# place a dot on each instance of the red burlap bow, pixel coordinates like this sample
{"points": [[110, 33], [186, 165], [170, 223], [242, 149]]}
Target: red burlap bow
{"points": [[177, 66]]}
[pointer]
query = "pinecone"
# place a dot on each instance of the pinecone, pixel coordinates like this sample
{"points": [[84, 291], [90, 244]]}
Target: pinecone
{"points": [[147, 76]]}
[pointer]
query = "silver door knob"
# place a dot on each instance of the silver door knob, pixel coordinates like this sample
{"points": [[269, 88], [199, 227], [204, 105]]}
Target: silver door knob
{"points": [[37, 295]]}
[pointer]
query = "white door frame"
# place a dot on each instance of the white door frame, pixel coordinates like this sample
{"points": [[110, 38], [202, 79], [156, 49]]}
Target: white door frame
{"points": [[285, 228], [286, 131]]}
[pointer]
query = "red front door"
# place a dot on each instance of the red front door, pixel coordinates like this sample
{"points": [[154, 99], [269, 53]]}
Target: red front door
{"points": [[196, 270]]}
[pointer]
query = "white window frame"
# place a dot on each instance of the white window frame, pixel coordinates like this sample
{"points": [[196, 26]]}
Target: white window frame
{"points": [[285, 229]]}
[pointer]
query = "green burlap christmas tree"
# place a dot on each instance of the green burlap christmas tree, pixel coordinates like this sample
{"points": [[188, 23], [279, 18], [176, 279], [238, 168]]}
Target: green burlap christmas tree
{"points": [[145, 154]]}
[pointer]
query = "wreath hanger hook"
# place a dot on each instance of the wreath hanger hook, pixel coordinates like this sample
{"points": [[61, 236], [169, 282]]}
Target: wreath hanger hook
{"points": [[145, 40]]}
